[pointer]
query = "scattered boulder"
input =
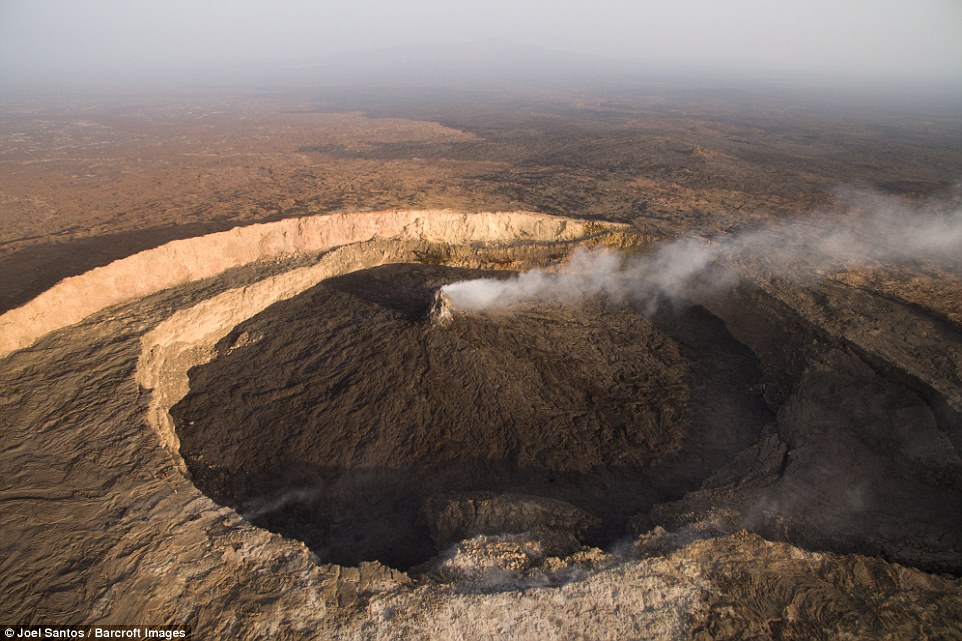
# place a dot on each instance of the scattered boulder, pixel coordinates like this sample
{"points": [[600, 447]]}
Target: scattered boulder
{"points": [[540, 557]]}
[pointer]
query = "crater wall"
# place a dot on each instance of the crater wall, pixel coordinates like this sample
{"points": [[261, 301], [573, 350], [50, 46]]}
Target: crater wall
{"points": [[97, 528], [193, 259]]}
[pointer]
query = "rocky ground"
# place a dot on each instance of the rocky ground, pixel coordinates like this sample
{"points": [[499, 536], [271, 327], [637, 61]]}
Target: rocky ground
{"points": [[778, 459]]}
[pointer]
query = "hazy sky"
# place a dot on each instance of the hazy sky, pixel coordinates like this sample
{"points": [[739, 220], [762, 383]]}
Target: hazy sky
{"points": [[100, 38]]}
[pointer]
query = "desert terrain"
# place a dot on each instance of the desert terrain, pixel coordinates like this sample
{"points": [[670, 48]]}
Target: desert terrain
{"points": [[235, 397]]}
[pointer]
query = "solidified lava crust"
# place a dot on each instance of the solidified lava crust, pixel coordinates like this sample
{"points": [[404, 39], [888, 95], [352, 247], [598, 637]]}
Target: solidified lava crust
{"points": [[352, 409], [339, 417]]}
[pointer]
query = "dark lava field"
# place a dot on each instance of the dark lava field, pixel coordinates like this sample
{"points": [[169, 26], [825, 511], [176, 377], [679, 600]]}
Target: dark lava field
{"points": [[352, 408], [339, 418]]}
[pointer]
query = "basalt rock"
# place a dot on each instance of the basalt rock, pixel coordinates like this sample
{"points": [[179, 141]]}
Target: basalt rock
{"points": [[452, 518]]}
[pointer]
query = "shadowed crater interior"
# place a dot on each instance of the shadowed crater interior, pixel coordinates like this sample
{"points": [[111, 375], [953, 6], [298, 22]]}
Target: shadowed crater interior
{"points": [[333, 417], [352, 420]]}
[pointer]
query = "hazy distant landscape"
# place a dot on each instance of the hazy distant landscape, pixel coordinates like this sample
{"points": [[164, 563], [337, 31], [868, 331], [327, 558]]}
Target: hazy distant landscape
{"points": [[685, 158]]}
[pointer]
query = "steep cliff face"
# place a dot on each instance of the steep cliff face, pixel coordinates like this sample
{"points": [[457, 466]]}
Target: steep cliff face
{"points": [[194, 259], [864, 453], [186, 339]]}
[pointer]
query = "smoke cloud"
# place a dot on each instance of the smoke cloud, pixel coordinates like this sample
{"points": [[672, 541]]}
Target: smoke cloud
{"points": [[867, 230], [262, 506]]}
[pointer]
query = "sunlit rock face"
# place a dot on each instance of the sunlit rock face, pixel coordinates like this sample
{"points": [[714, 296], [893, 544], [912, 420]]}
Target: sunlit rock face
{"points": [[194, 259]]}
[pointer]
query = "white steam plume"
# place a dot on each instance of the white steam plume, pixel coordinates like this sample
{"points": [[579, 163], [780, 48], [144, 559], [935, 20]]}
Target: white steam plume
{"points": [[261, 506], [586, 274], [873, 229]]}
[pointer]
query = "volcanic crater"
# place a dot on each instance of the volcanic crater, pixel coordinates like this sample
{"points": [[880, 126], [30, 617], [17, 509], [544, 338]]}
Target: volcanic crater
{"points": [[350, 418], [336, 417], [327, 403]]}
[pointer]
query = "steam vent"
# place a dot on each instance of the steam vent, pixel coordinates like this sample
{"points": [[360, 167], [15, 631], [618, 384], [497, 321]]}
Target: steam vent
{"points": [[290, 430]]}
